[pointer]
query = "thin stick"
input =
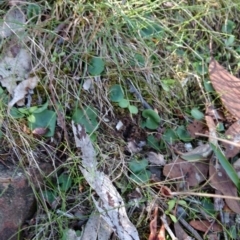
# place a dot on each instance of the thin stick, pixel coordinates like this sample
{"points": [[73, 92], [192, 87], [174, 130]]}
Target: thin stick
{"points": [[204, 195], [220, 139]]}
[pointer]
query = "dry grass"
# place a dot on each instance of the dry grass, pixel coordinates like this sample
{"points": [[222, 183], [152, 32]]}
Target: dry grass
{"points": [[64, 40]]}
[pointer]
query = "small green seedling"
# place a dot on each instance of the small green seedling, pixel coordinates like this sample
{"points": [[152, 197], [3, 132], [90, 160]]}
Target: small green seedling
{"points": [[87, 117], [38, 117], [33, 12], [171, 205], [152, 119], [139, 169], [197, 114], [117, 95], [63, 184], [96, 66], [183, 134], [153, 142]]}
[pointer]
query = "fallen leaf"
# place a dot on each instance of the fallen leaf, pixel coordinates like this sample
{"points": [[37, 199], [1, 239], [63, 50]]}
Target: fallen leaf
{"points": [[220, 181], [214, 113], [227, 86], [154, 234], [236, 166], [196, 126], [191, 172], [204, 226], [232, 134], [198, 153], [110, 204], [87, 85], [153, 225], [22, 89], [180, 233], [96, 228], [156, 159], [13, 22], [39, 131], [132, 147], [13, 69]]}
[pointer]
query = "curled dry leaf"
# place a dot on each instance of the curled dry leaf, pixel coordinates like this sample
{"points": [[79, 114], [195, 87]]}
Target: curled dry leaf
{"points": [[39, 131], [192, 173], [227, 86], [110, 204], [220, 181], [156, 159], [22, 89], [13, 22], [232, 134], [154, 234]]}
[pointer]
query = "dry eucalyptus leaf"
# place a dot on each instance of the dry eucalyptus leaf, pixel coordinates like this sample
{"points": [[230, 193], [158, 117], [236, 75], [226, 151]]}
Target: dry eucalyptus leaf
{"points": [[220, 181], [203, 225], [13, 22], [192, 173], [232, 134], [227, 86], [110, 204], [96, 228], [13, 69], [22, 89]]}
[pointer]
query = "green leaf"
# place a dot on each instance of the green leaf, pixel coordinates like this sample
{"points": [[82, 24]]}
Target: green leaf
{"points": [[208, 206], [228, 27], [226, 166], [138, 61], [15, 113], [39, 109], [171, 203], [124, 103], [153, 142], [49, 196], [151, 30], [183, 134], [24, 110], [96, 66], [133, 109], [140, 177], [200, 68], [197, 114], [152, 119], [33, 11], [170, 136], [46, 119], [167, 84], [1, 91], [208, 86], [87, 117], [137, 166], [116, 93], [65, 182], [31, 118], [229, 41], [173, 218]]}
